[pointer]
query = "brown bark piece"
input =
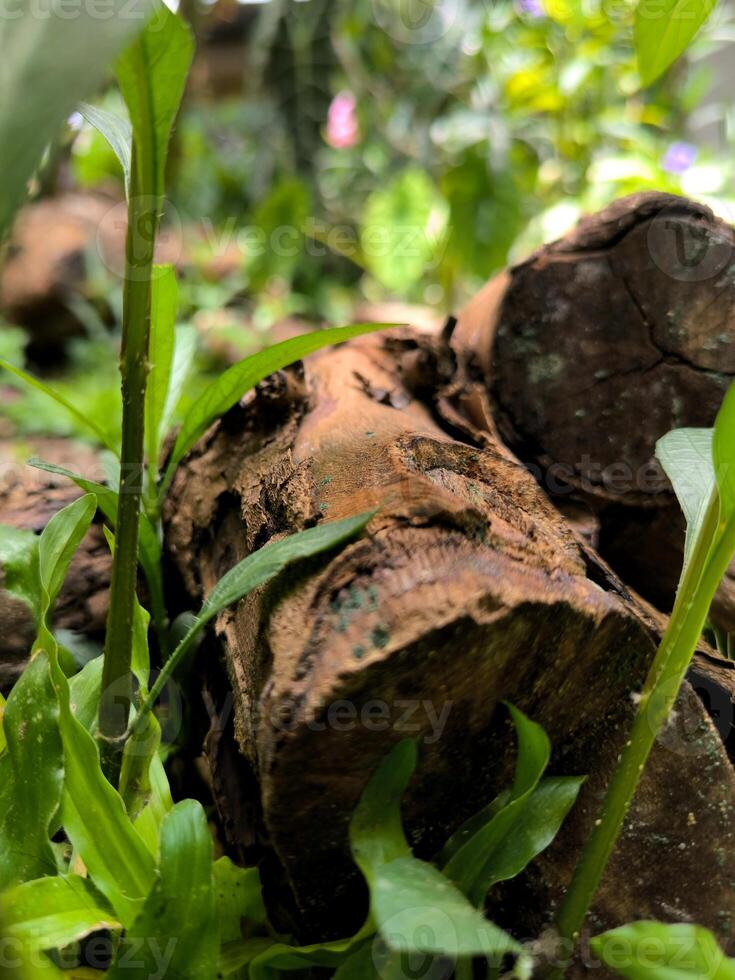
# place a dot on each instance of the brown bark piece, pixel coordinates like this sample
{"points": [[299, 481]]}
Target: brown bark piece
{"points": [[595, 347], [467, 589]]}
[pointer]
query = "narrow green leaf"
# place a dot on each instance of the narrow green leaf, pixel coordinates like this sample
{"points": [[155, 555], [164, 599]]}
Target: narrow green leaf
{"points": [[664, 29], [3, 741], [185, 347], [50, 63], [268, 561], [151, 74], [58, 542], [83, 420], [116, 130], [276, 958], [19, 565], [655, 951], [50, 913], [181, 912], [536, 827], [149, 545], [360, 965], [376, 828], [84, 693], [255, 570], [686, 457], [164, 304], [148, 824], [417, 909], [28, 805], [471, 863], [723, 454], [95, 820], [230, 386]]}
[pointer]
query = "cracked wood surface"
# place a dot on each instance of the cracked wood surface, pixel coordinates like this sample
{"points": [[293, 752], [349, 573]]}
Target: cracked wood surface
{"points": [[596, 346], [468, 588]]}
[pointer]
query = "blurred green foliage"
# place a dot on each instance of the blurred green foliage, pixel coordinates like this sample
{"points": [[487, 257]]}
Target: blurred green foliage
{"points": [[467, 133]]}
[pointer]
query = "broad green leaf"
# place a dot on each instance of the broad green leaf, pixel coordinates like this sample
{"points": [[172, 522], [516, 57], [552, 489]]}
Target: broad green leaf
{"points": [[416, 908], [164, 304], [84, 693], [50, 913], [276, 958], [686, 458], [412, 903], [535, 828], [83, 420], [50, 62], [116, 130], [655, 951], [95, 820], [19, 565], [664, 29], [230, 386], [723, 454], [239, 896], [477, 845], [58, 542], [255, 570], [148, 823], [151, 73], [181, 912], [28, 805], [138, 755], [360, 965]]}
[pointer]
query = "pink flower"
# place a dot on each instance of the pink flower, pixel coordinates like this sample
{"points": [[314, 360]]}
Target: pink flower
{"points": [[342, 126]]}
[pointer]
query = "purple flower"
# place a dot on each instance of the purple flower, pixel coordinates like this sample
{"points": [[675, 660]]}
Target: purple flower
{"points": [[531, 8], [342, 126], [679, 158]]}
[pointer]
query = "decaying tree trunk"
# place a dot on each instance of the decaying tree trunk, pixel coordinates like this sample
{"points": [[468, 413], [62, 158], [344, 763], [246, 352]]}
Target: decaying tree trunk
{"points": [[595, 347], [467, 589]]}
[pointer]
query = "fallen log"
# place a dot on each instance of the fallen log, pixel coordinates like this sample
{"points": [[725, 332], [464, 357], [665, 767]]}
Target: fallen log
{"points": [[593, 348], [468, 589]]}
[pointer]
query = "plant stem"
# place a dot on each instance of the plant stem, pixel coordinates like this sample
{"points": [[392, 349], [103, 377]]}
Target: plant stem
{"points": [[704, 573], [116, 691]]}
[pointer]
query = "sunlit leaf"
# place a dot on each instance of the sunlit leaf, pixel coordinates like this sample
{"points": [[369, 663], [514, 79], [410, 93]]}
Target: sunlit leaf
{"points": [[664, 29], [181, 912], [49, 913], [19, 565], [58, 542], [50, 62], [151, 73], [230, 386], [28, 805], [116, 130], [686, 457], [655, 951]]}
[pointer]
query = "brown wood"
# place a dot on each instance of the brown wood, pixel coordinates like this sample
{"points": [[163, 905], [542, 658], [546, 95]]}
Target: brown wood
{"points": [[596, 346], [468, 588]]}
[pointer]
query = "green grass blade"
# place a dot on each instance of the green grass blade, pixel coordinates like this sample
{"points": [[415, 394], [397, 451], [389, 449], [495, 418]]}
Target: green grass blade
{"points": [[164, 304], [83, 420], [229, 388]]}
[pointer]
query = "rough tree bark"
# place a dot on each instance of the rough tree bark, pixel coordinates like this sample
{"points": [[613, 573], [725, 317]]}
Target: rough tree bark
{"points": [[593, 348], [468, 588]]}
